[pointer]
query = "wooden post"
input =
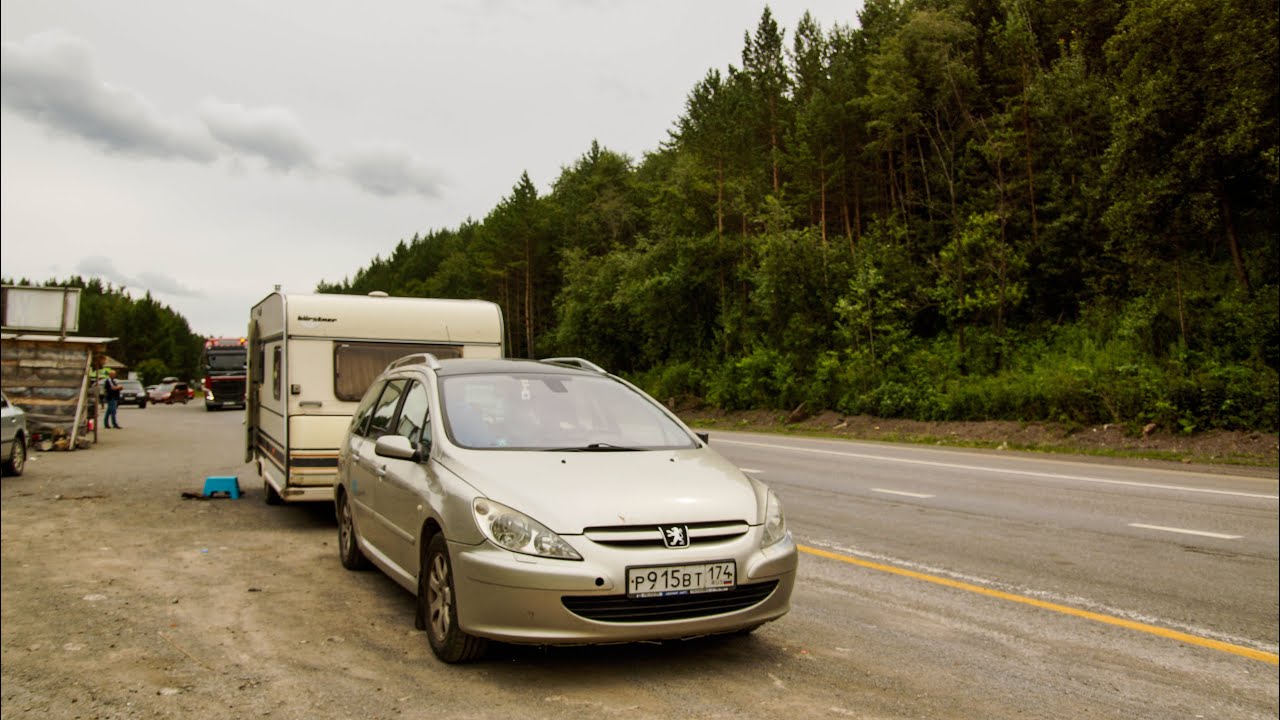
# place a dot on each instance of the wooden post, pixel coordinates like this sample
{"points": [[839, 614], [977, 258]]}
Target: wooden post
{"points": [[80, 403]]}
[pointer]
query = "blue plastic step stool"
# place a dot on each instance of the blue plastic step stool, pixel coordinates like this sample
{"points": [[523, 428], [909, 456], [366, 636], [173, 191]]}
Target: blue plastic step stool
{"points": [[228, 484]]}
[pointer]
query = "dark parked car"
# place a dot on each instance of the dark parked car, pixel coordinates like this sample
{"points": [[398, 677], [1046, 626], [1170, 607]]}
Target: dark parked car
{"points": [[132, 393]]}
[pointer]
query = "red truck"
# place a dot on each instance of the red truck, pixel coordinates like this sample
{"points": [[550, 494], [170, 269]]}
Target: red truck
{"points": [[226, 362]]}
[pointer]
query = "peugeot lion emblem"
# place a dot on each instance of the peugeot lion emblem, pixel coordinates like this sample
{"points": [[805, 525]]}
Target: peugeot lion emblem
{"points": [[675, 536]]}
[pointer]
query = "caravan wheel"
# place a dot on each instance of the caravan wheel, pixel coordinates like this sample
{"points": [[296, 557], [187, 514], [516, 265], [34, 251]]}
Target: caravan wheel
{"points": [[273, 497]]}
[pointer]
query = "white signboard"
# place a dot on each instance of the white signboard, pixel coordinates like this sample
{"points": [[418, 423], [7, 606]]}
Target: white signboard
{"points": [[49, 309]]}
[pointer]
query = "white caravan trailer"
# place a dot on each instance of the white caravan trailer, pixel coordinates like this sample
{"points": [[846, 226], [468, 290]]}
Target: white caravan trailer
{"points": [[311, 357]]}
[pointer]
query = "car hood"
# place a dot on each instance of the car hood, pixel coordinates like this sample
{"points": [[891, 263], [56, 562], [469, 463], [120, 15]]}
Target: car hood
{"points": [[570, 491]]}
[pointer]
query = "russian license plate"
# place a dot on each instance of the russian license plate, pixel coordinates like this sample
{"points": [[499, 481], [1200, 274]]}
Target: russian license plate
{"points": [[681, 579]]}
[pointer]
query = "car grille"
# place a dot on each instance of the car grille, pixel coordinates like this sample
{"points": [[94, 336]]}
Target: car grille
{"points": [[649, 536], [622, 609]]}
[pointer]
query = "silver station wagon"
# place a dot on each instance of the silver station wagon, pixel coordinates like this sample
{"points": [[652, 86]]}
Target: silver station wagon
{"points": [[548, 502]]}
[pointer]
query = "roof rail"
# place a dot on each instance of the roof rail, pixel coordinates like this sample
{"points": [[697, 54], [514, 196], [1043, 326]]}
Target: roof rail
{"points": [[576, 362], [427, 358]]}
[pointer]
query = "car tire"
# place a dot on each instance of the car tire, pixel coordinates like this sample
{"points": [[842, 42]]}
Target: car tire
{"points": [[437, 610], [348, 544], [15, 464], [272, 497]]}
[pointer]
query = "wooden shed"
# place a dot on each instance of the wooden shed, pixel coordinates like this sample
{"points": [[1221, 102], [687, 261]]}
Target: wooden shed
{"points": [[51, 378]]}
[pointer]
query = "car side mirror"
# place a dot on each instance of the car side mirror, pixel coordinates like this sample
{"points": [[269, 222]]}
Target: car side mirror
{"points": [[704, 437], [395, 446]]}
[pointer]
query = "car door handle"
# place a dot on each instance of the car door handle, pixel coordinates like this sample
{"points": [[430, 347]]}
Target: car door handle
{"points": [[381, 471]]}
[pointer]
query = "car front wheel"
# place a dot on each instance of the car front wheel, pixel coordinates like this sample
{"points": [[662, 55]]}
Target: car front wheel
{"points": [[348, 546], [18, 461], [438, 607]]}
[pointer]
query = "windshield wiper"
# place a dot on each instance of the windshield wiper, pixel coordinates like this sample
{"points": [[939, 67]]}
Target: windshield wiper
{"points": [[594, 447]]}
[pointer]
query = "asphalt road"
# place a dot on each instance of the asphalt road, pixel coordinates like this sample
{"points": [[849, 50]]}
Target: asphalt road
{"points": [[934, 583], [1191, 550], [1145, 566]]}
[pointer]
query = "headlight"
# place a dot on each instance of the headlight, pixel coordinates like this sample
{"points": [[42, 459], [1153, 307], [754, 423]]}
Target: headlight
{"points": [[517, 532], [775, 525]]}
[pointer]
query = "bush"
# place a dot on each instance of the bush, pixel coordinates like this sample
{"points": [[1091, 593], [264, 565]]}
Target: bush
{"points": [[1098, 370], [676, 380]]}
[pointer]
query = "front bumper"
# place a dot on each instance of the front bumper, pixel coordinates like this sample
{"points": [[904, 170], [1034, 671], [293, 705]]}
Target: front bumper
{"points": [[521, 599]]}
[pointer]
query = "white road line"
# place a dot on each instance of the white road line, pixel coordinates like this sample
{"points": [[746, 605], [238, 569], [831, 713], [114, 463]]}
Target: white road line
{"points": [[899, 492], [1186, 532], [1006, 471]]}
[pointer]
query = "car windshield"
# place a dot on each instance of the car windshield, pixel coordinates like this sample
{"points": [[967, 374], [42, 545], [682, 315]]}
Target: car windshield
{"points": [[166, 387], [131, 386], [232, 360], [530, 411]]}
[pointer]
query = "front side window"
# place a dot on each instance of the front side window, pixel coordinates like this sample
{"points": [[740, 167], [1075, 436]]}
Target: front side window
{"points": [[414, 416], [360, 421], [534, 411], [384, 411]]}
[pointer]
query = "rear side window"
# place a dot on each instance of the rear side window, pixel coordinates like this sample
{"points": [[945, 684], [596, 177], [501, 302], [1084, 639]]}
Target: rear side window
{"points": [[357, 364]]}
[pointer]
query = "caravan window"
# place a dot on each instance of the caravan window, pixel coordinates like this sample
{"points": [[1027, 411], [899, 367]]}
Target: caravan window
{"points": [[275, 373], [357, 364]]}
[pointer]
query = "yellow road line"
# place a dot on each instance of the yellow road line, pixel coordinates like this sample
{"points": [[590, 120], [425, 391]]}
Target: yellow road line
{"points": [[1266, 657]]}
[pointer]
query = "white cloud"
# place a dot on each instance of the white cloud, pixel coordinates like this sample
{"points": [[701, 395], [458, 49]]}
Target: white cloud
{"points": [[271, 133], [49, 78], [389, 170], [103, 267]]}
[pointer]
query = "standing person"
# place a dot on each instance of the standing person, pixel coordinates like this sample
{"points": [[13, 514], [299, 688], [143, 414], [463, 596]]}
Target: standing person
{"points": [[113, 401]]}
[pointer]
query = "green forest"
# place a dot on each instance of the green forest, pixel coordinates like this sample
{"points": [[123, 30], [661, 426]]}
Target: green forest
{"points": [[1061, 210]]}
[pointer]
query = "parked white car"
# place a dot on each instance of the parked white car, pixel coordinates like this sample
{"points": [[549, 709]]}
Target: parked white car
{"points": [[13, 431], [552, 503]]}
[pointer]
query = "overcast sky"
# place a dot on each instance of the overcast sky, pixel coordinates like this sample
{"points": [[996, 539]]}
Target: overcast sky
{"points": [[206, 152]]}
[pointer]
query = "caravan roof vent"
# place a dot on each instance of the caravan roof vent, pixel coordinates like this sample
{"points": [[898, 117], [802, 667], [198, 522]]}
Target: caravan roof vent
{"points": [[378, 293]]}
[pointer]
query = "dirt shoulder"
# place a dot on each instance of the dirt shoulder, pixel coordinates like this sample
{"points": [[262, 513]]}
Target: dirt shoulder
{"points": [[1216, 447]]}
